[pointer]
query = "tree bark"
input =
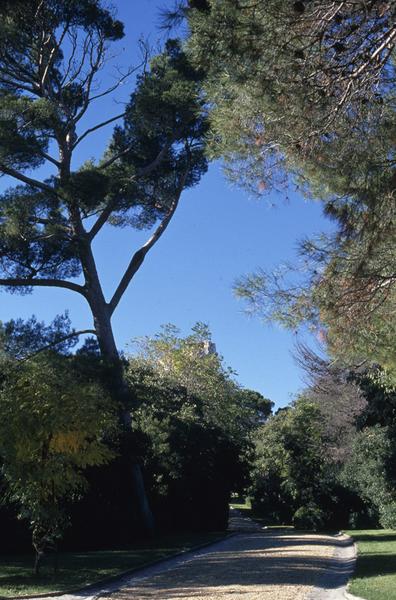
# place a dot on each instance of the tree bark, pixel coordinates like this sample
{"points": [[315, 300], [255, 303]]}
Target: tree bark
{"points": [[102, 321], [101, 313]]}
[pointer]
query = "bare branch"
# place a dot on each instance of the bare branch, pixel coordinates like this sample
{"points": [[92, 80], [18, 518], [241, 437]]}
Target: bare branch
{"points": [[21, 282], [95, 64], [25, 179], [52, 56], [139, 256], [98, 126], [116, 85], [57, 342]]}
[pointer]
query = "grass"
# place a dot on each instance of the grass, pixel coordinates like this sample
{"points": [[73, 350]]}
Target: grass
{"points": [[245, 507], [78, 569], [241, 504], [375, 575]]}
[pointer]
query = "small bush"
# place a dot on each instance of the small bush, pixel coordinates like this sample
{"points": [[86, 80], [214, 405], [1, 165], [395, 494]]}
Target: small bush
{"points": [[308, 517]]}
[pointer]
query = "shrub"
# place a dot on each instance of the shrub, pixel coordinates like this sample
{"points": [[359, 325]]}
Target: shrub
{"points": [[309, 517]]}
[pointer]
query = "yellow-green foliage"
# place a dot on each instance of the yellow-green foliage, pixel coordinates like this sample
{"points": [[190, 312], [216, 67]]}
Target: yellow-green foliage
{"points": [[53, 423]]}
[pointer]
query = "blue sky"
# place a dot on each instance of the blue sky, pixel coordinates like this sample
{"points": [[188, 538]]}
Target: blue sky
{"points": [[217, 235]]}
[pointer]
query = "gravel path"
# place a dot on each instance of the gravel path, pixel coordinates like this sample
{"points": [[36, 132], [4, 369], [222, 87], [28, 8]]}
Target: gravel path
{"points": [[266, 565], [252, 564]]}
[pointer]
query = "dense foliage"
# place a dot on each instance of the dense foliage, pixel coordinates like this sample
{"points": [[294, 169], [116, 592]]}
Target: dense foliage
{"points": [[55, 418], [327, 460], [63, 458], [197, 422]]}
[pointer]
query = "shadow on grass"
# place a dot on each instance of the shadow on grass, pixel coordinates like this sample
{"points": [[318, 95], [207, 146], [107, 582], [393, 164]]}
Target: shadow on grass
{"points": [[80, 569], [373, 565], [387, 537]]}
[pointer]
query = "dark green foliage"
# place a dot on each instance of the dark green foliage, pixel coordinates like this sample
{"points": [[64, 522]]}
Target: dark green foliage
{"points": [[270, 500], [107, 515], [381, 399], [309, 516], [196, 424], [36, 105], [166, 113], [192, 463], [299, 474], [34, 238], [55, 418], [370, 471], [191, 430], [290, 468], [20, 339], [260, 406], [328, 460]]}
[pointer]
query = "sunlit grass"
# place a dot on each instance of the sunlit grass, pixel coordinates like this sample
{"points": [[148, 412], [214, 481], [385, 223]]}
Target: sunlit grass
{"points": [[375, 575], [241, 503]]}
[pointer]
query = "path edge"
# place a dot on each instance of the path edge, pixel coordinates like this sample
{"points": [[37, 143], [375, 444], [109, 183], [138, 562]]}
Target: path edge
{"points": [[348, 594], [119, 576], [320, 590]]}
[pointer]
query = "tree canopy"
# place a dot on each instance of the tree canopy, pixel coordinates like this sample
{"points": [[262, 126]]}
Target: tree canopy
{"points": [[52, 55], [304, 92], [56, 420]]}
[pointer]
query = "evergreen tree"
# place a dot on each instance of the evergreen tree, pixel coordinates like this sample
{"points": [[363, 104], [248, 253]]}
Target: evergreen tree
{"points": [[304, 91], [52, 53]]}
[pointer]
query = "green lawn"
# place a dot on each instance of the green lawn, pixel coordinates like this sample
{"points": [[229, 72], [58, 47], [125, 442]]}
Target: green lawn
{"points": [[375, 575], [77, 569], [241, 503]]}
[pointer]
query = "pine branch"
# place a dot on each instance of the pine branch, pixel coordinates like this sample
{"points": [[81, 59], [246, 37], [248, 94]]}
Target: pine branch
{"points": [[25, 179], [57, 342], [98, 126], [21, 282]]}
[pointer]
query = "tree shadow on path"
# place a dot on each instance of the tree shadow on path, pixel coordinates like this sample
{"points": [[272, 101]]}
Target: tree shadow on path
{"points": [[247, 564]]}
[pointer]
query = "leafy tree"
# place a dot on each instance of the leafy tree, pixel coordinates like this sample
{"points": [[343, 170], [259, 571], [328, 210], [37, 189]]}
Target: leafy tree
{"points": [[192, 362], [192, 461], [370, 470], [198, 420], [380, 393], [328, 64], [52, 55], [55, 420], [21, 339], [291, 468], [338, 468]]}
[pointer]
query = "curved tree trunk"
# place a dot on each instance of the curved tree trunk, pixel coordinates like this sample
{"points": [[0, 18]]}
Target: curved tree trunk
{"points": [[108, 349]]}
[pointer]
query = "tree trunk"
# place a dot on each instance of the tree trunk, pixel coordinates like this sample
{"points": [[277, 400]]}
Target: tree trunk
{"points": [[39, 549], [102, 321], [108, 349], [37, 562]]}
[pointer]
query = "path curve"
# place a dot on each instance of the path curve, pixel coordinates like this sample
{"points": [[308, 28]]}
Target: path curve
{"points": [[253, 564]]}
